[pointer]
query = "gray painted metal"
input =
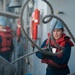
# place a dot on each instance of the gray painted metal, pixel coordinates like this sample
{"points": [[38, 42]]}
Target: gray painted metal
{"points": [[6, 68]]}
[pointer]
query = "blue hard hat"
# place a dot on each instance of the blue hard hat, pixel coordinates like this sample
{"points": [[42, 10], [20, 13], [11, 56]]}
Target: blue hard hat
{"points": [[3, 21], [58, 25]]}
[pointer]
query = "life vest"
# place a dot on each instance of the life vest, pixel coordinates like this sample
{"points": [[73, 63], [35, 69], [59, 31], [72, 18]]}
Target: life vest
{"points": [[62, 41], [6, 39]]}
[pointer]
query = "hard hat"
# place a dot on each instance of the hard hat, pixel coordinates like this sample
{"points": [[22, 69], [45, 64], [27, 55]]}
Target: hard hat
{"points": [[3, 21], [58, 25]]}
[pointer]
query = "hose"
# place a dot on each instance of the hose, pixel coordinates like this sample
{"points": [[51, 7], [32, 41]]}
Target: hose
{"points": [[52, 12], [52, 38], [68, 30], [40, 49], [21, 57]]}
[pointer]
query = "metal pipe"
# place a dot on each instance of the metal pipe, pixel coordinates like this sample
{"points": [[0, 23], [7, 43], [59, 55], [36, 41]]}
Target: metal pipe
{"points": [[8, 14], [1, 5], [4, 5]]}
